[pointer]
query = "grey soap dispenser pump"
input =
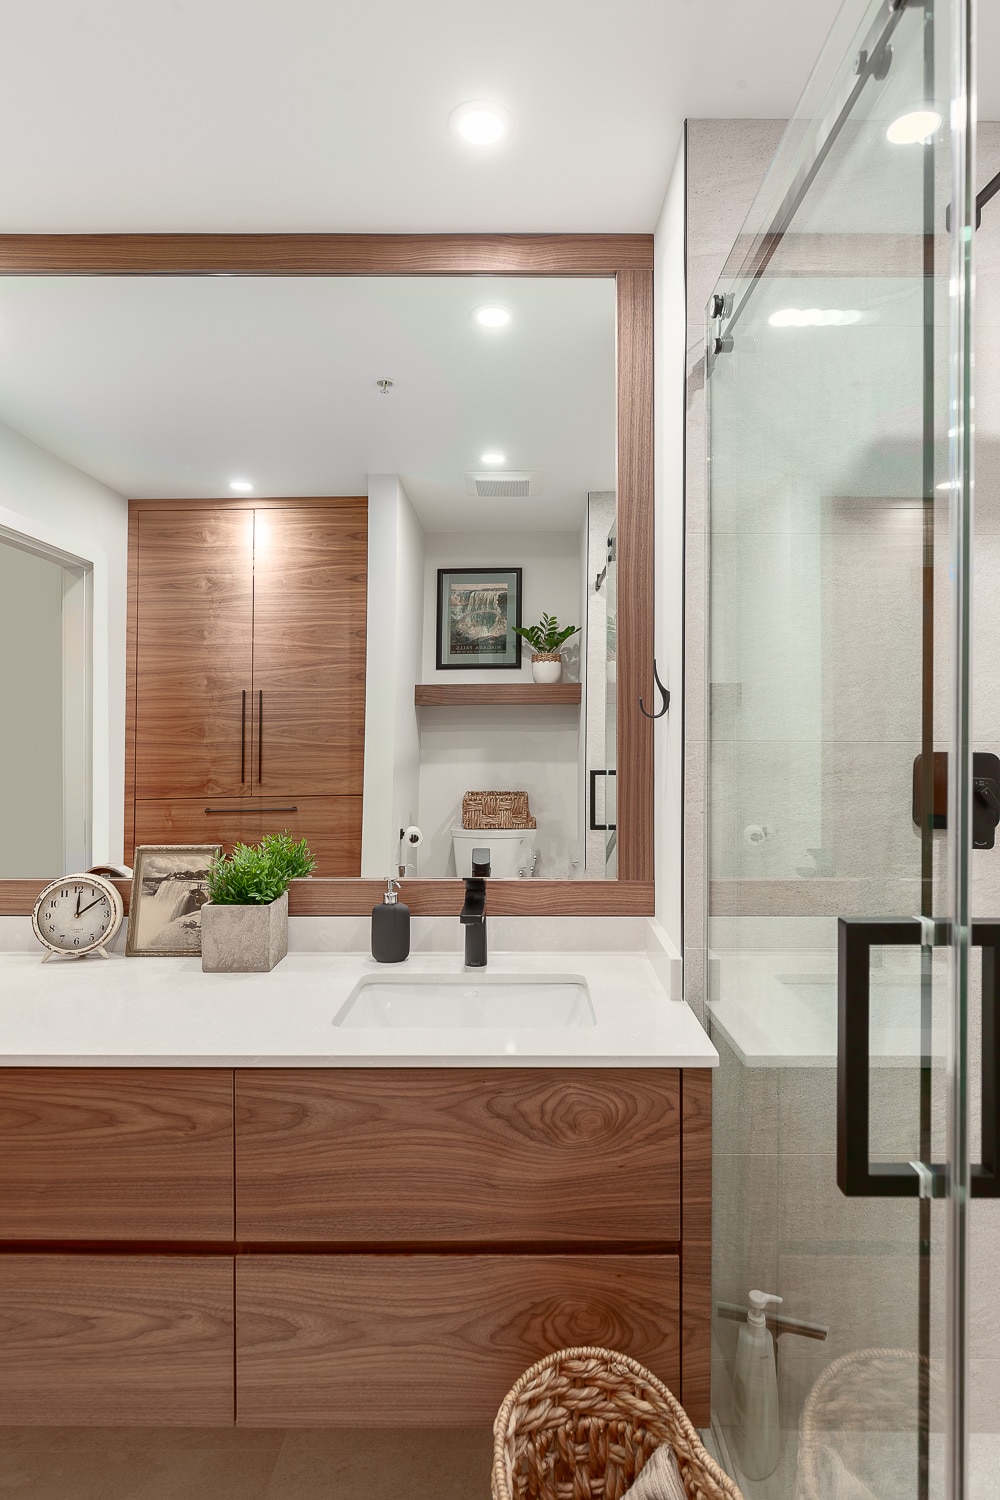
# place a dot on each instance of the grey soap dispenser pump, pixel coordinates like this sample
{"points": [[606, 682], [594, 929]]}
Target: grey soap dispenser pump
{"points": [[390, 927]]}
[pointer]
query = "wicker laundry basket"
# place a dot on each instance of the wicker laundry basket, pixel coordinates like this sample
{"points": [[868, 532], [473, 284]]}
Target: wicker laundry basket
{"points": [[580, 1424], [868, 1390]]}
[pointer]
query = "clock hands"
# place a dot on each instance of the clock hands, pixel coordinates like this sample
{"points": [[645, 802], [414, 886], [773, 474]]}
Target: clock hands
{"points": [[77, 912], [87, 908]]}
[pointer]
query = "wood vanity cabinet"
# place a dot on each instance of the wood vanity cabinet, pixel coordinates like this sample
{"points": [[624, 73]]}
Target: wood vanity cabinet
{"points": [[384, 1245], [247, 650]]}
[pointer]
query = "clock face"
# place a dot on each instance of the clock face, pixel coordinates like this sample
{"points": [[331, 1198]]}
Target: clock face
{"points": [[77, 914]]}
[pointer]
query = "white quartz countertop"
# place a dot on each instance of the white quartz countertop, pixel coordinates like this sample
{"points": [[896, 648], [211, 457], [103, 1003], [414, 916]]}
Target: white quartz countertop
{"points": [[164, 1012]]}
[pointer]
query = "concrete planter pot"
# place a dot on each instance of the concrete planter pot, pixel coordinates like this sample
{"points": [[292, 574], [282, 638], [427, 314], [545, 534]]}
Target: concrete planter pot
{"points": [[243, 939]]}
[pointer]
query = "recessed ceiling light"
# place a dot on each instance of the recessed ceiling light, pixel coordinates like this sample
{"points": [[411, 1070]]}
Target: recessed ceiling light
{"points": [[492, 316], [493, 458], [915, 128], [241, 486], [479, 123]]}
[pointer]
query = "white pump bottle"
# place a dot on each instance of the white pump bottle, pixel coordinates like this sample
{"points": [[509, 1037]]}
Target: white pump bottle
{"points": [[755, 1392]]}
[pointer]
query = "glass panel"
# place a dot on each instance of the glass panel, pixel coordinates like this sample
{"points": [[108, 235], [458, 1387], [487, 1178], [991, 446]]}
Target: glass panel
{"points": [[611, 711], [836, 598]]}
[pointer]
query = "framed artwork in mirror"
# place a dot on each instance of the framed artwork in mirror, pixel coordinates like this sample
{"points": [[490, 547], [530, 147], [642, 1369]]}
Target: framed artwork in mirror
{"points": [[478, 611], [169, 889]]}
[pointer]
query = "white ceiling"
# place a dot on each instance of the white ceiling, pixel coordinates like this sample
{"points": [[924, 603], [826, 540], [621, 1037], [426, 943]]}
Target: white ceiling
{"points": [[301, 115], [172, 386], [326, 115]]}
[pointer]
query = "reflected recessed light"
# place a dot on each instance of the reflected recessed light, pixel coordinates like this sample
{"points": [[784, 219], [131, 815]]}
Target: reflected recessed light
{"points": [[241, 486], [479, 123], [493, 458], [492, 316], [915, 128]]}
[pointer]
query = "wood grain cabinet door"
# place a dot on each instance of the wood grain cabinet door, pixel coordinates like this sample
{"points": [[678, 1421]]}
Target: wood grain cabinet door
{"points": [[198, 820], [433, 1340], [116, 1340], [488, 1156], [310, 618], [116, 1153], [332, 825], [194, 634]]}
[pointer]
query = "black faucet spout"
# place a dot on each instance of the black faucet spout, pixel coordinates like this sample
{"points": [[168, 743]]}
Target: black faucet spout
{"points": [[473, 919]]}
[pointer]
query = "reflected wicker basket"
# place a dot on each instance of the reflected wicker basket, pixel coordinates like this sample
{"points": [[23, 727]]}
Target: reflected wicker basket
{"points": [[583, 1422], [496, 810], [866, 1391]]}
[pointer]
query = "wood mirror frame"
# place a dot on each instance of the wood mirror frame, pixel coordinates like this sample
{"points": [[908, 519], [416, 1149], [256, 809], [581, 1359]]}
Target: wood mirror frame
{"points": [[626, 258]]}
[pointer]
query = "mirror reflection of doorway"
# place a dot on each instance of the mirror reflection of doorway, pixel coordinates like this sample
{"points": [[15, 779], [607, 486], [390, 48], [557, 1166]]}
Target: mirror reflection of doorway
{"points": [[44, 688]]}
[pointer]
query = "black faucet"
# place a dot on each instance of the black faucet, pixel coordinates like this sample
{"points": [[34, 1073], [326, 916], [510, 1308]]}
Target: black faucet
{"points": [[473, 919]]}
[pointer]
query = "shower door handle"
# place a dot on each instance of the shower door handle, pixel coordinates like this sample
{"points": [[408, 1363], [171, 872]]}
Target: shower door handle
{"points": [[857, 1175], [593, 824]]}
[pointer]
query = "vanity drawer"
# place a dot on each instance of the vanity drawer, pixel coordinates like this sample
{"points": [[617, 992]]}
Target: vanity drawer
{"points": [[538, 1156], [332, 825], [116, 1153], [225, 820], [436, 1340], [115, 1340]]}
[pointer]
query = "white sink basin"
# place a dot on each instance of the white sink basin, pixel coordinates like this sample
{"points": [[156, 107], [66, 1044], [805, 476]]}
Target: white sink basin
{"points": [[535, 1001]]}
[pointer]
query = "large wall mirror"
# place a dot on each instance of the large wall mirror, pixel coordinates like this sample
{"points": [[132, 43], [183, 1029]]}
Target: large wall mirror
{"points": [[321, 498]]}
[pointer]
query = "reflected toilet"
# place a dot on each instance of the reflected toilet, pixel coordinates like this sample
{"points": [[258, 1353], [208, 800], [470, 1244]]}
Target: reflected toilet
{"points": [[511, 850]]}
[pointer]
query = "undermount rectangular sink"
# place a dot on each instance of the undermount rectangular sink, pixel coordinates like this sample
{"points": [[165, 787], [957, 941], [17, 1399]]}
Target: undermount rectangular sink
{"points": [[535, 1002]]}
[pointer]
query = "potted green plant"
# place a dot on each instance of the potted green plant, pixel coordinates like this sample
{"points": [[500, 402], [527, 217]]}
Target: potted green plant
{"points": [[244, 923], [545, 639]]}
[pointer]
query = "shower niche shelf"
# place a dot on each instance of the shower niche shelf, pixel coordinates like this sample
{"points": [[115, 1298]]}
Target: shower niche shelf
{"points": [[446, 694]]}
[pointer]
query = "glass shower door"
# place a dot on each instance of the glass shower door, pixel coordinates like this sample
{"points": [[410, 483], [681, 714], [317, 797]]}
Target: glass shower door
{"points": [[611, 711], [840, 778]]}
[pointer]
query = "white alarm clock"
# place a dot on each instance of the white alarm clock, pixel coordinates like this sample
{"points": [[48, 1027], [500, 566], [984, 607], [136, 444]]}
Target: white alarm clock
{"points": [[77, 915]]}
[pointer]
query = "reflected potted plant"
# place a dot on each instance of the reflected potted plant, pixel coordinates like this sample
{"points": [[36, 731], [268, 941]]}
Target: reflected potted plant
{"points": [[545, 640], [244, 922]]}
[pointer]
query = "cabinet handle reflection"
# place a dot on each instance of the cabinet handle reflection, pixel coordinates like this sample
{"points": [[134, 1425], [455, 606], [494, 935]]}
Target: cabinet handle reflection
{"points": [[249, 805]]}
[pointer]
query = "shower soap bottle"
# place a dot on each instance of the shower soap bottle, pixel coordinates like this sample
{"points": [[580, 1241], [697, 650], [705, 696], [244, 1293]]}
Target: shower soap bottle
{"points": [[390, 927], [755, 1392]]}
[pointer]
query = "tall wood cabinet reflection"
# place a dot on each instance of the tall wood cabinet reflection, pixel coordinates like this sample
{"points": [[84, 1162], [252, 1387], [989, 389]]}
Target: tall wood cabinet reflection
{"points": [[246, 673]]}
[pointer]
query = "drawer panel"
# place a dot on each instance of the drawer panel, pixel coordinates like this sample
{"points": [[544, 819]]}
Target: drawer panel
{"points": [[226, 819], [332, 826], [116, 1153], [116, 1340], [438, 1155], [413, 1340]]}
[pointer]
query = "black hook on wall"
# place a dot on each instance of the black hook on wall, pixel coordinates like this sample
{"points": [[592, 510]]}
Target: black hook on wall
{"points": [[664, 697]]}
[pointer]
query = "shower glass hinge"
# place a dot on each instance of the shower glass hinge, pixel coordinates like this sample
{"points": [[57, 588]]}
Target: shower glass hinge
{"points": [[931, 1180]]}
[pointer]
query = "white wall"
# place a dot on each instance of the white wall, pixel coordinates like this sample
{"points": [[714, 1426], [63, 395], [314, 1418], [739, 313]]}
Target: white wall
{"points": [[523, 749], [44, 498], [536, 750], [551, 564], [395, 619], [31, 747], [669, 301]]}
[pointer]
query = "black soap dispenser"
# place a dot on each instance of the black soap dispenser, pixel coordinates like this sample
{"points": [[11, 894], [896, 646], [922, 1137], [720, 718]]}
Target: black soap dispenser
{"points": [[390, 927]]}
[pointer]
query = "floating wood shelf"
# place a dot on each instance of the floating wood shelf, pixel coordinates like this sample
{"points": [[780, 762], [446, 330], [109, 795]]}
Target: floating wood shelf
{"points": [[434, 694]]}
